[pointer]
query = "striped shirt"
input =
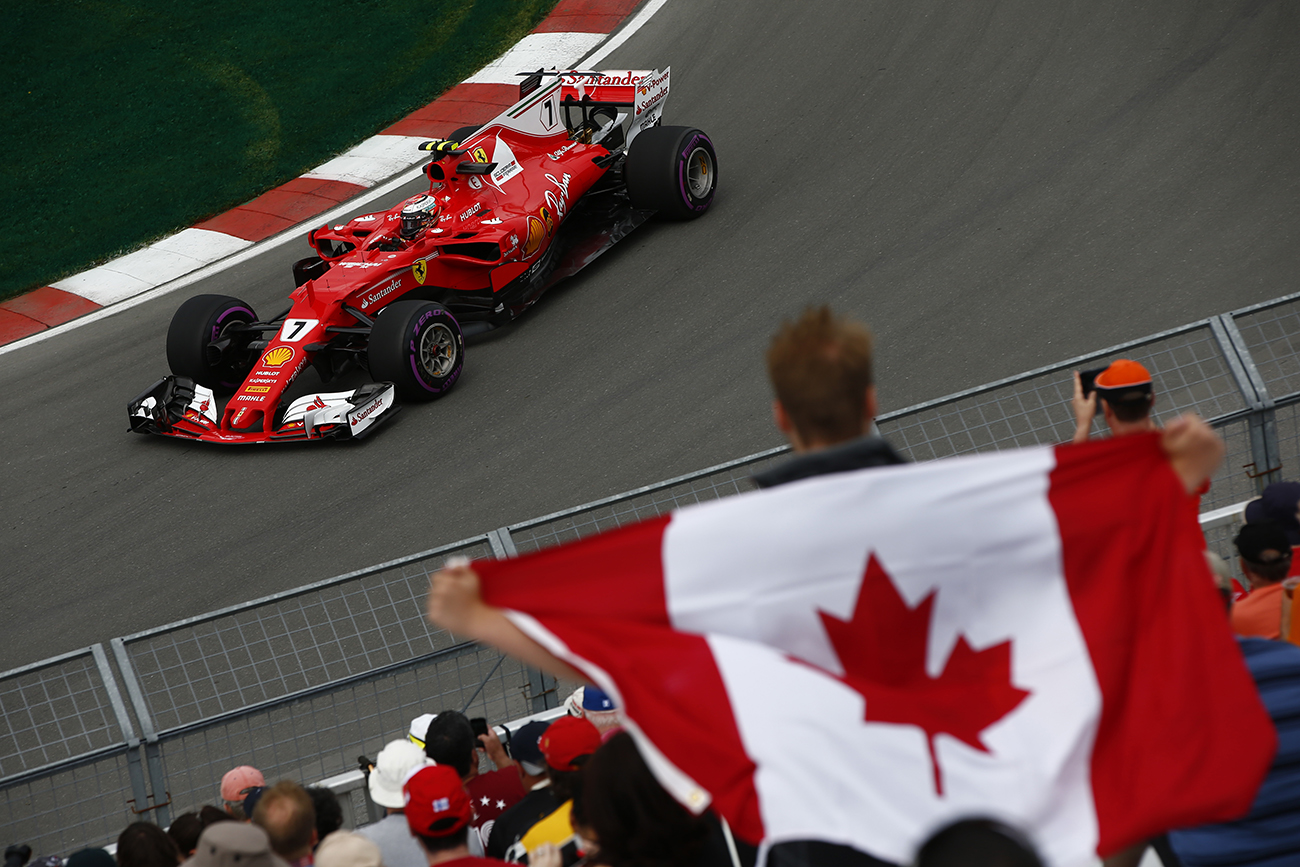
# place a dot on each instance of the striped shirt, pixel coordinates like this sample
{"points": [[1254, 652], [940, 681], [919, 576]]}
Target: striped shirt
{"points": [[1269, 835]]}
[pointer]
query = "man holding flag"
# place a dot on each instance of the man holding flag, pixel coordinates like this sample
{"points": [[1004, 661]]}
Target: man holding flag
{"points": [[1059, 663]]}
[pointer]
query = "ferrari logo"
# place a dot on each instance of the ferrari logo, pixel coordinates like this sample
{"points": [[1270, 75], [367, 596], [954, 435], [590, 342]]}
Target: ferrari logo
{"points": [[421, 270], [546, 218], [480, 156]]}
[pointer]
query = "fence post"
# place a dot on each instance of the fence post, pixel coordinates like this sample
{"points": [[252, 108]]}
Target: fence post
{"points": [[541, 686], [133, 767], [1265, 451], [151, 748]]}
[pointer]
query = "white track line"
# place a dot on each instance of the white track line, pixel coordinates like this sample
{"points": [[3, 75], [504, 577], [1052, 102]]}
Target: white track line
{"points": [[169, 245]]}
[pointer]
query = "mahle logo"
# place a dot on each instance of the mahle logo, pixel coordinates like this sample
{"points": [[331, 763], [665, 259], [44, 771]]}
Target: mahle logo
{"points": [[278, 356]]}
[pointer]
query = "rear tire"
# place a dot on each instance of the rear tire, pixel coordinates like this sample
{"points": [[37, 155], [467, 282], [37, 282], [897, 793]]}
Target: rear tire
{"points": [[672, 170], [418, 346], [201, 346]]}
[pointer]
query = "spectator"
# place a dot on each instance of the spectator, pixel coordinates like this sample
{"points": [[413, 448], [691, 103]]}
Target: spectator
{"points": [[825, 404], [540, 799], [235, 786], [211, 815], [329, 812], [1265, 560], [419, 728], [566, 746], [1280, 502], [144, 844], [493, 792], [978, 843], [348, 849], [450, 741], [1127, 395], [395, 763], [599, 709], [184, 831], [286, 813], [635, 823], [233, 844], [438, 815], [1270, 833]]}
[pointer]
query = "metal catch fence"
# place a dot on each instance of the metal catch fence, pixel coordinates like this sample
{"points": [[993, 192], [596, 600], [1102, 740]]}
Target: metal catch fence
{"points": [[301, 683]]}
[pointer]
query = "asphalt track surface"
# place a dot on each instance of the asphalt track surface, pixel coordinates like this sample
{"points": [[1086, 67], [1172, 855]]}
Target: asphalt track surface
{"points": [[992, 185]]}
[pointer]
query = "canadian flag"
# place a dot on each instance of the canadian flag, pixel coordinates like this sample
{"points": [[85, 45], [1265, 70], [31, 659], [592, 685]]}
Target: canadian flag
{"points": [[860, 658]]}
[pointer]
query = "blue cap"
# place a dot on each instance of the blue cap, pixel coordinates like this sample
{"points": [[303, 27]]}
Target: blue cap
{"points": [[594, 698], [523, 744]]}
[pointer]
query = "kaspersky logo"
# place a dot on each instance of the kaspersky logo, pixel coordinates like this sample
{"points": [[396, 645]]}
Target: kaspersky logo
{"points": [[278, 356]]}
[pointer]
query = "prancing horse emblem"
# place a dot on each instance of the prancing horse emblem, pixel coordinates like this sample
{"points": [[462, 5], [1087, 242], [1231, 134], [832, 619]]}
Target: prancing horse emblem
{"points": [[421, 270]]}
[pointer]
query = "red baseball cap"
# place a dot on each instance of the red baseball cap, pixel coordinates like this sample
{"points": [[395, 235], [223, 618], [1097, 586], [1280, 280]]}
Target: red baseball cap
{"points": [[566, 739], [436, 803]]}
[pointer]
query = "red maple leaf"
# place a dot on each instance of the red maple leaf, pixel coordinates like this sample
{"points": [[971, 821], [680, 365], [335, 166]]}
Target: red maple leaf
{"points": [[883, 649]]}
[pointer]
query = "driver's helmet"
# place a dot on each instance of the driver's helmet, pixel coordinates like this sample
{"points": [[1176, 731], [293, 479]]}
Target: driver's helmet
{"points": [[418, 216]]}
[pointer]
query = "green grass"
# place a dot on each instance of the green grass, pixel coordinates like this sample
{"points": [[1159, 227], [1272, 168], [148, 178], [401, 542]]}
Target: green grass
{"points": [[124, 122]]}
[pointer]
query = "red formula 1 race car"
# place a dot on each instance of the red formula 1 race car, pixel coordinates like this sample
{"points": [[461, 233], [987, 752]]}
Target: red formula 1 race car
{"points": [[529, 198]]}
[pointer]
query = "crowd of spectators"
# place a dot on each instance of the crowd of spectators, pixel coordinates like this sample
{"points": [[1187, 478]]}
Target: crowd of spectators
{"points": [[577, 790]]}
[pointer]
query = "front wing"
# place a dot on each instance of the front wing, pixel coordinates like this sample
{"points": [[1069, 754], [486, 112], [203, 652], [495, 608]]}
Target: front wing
{"points": [[176, 406]]}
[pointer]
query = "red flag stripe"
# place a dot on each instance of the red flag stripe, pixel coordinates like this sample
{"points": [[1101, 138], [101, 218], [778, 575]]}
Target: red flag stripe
{"points": [[1154, 644], [620, 568]]}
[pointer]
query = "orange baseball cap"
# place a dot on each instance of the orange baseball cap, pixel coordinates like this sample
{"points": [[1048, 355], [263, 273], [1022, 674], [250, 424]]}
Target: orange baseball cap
{"points": [[1123, 374]]}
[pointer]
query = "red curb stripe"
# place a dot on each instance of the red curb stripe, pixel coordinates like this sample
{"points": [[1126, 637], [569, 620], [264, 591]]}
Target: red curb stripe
{"points": [[586, 16], [281, 208], [15, 326], [50, 306], [464, 104]]}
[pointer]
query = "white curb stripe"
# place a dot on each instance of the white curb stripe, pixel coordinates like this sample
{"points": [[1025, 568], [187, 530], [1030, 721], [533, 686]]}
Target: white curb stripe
{"points": [[375, 159], [536, 51], [156, 264]]}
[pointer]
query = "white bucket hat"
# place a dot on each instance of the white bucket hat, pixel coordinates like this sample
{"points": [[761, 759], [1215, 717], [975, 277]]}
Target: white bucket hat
{"points": [[392, 766]]}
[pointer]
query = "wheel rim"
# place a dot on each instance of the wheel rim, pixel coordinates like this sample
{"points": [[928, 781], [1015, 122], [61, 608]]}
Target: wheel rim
{"points": [[699, 172], [438, 350]]}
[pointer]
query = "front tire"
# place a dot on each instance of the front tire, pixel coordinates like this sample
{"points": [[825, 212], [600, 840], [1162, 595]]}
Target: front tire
{"points": [[418, 346], [672, 170], [202, 343]]}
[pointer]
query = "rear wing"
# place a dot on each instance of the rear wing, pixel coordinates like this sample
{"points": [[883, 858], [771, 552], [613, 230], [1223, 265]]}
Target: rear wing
{"points": [[581, 103]]}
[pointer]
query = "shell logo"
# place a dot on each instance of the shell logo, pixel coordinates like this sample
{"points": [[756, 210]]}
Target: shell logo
{"points": [[546, 215], [480, 156], [536, 232], [278, 356]]}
